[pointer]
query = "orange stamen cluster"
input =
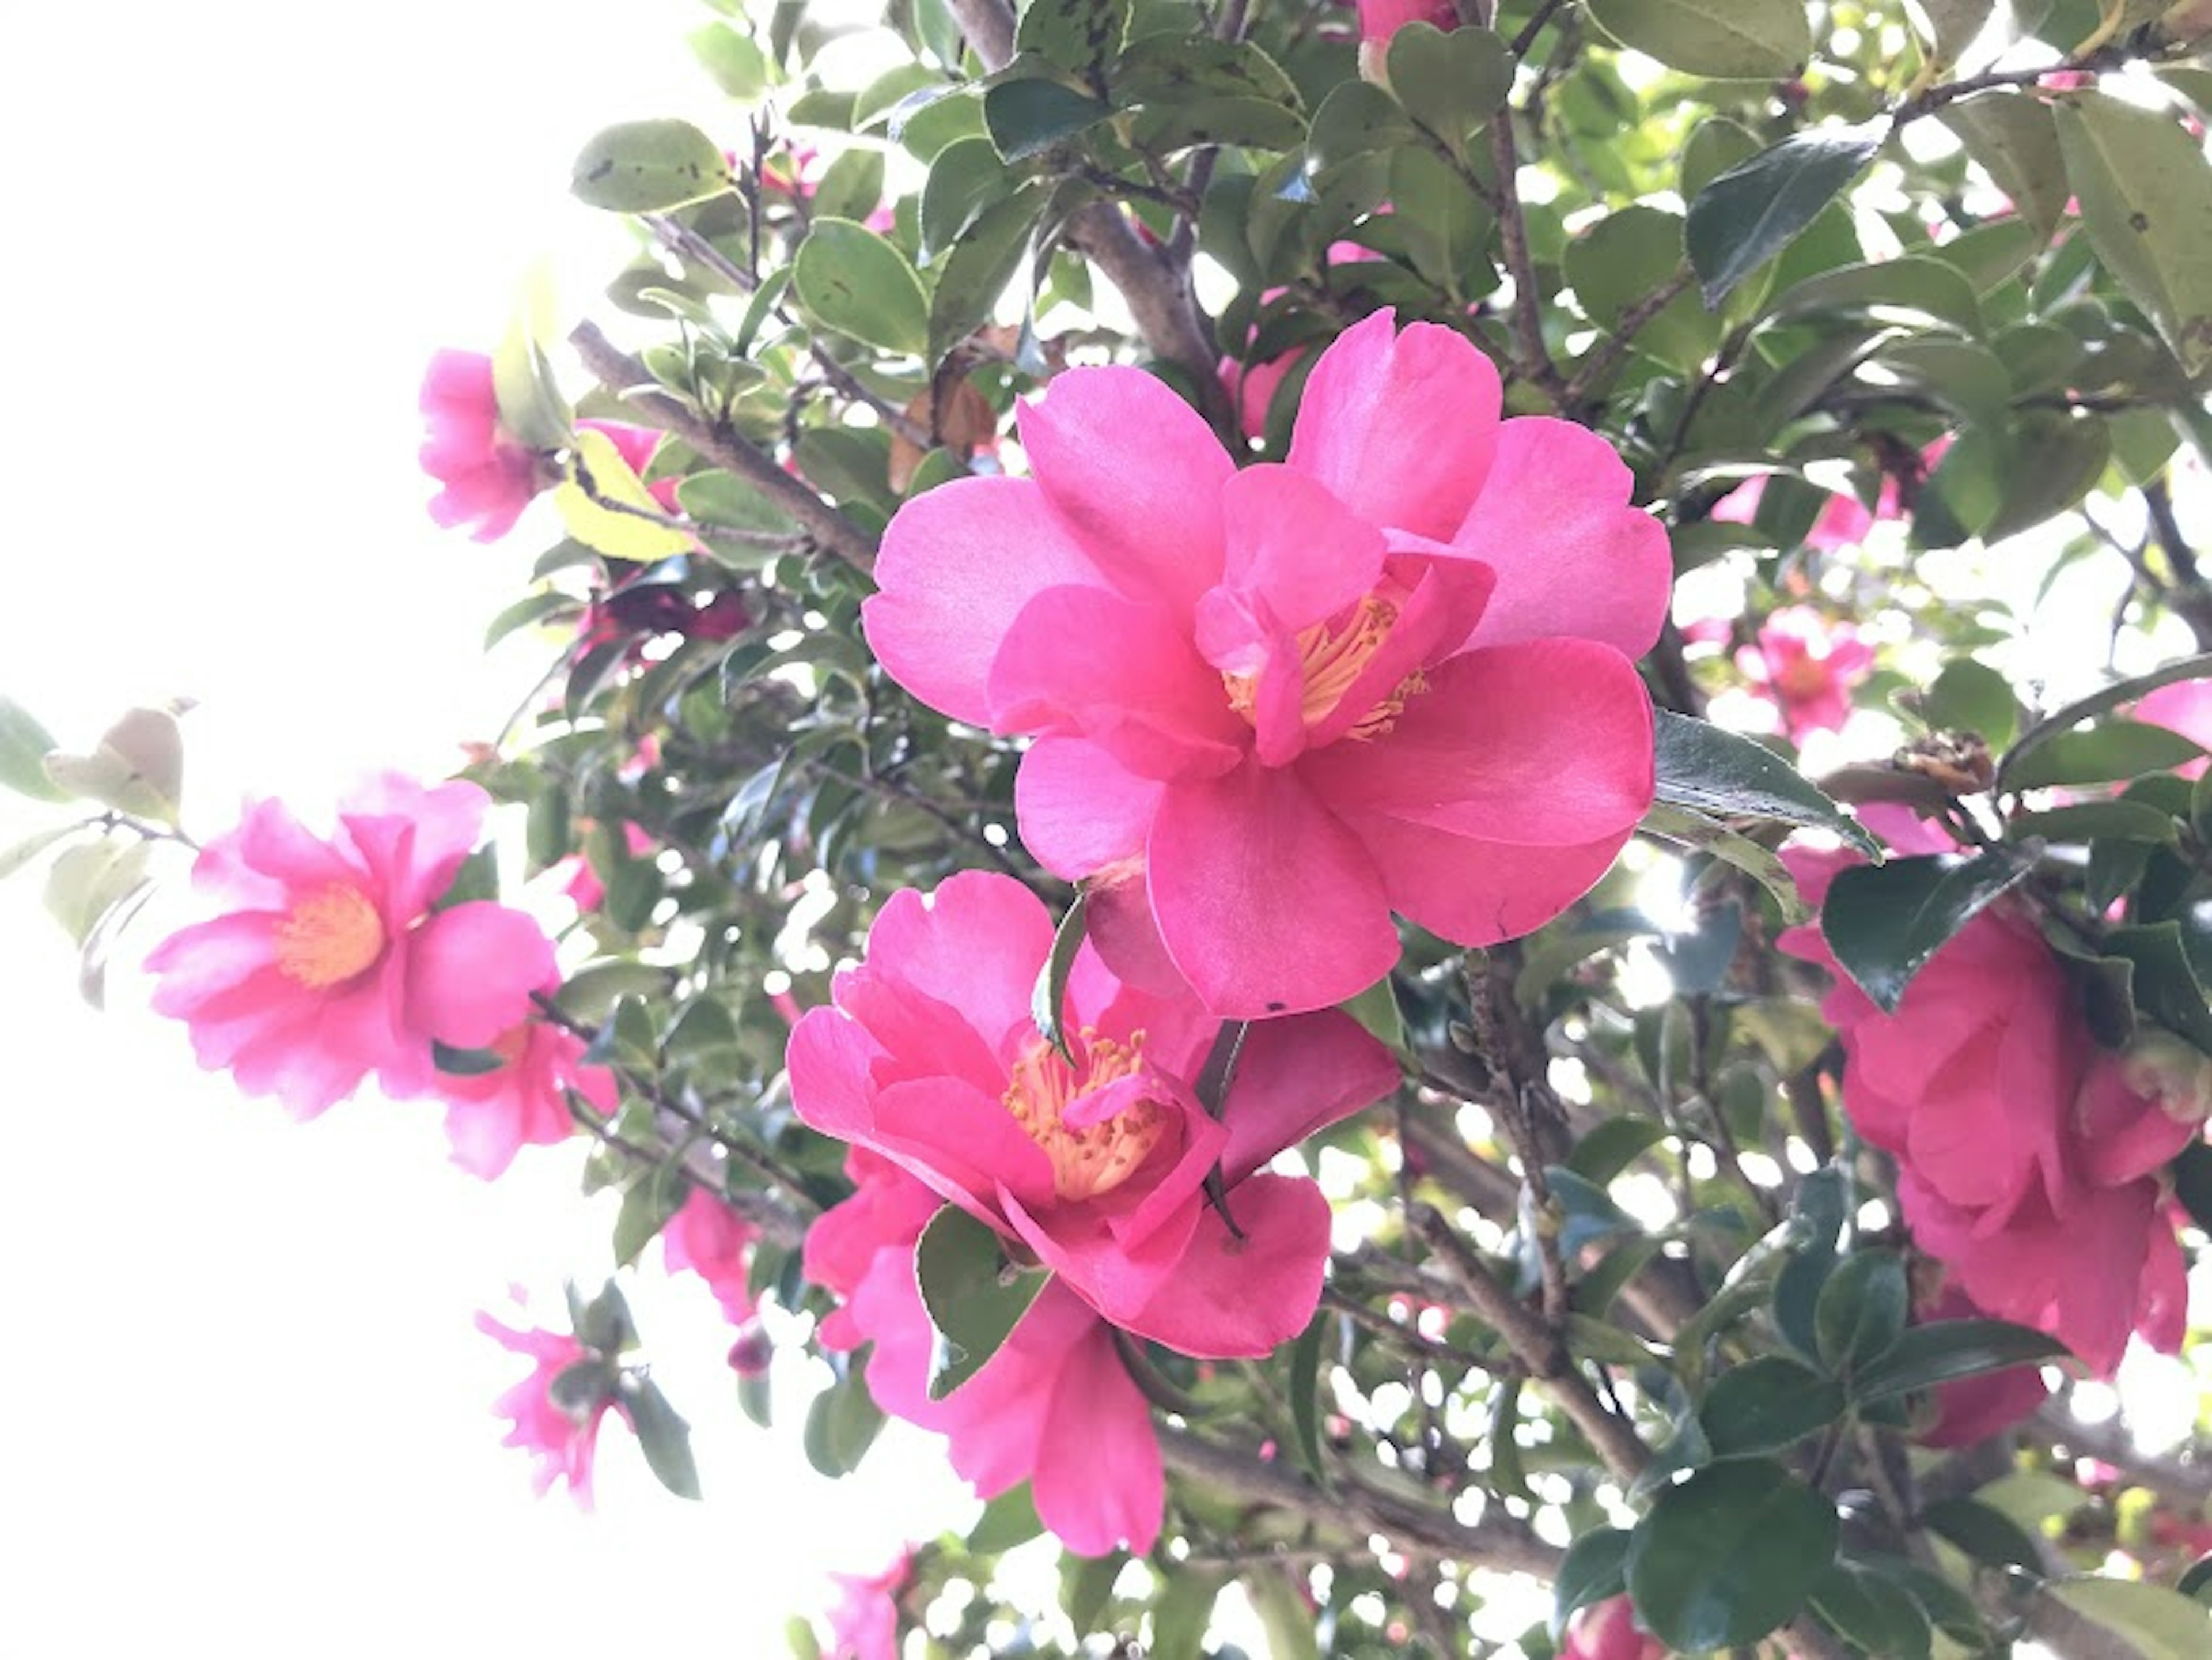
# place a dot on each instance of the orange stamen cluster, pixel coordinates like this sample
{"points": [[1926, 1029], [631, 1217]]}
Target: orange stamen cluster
{"points": [[329, 937], [1097, 1158], [1330, 661]]}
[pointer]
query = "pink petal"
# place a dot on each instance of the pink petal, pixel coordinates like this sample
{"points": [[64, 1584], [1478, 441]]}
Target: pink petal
{"points": [[1079, 809], [1543, 743], [1081, 662], [204, 959], [963, 1142], [1115, 1276], [1099, 1483], [1400, 426], [1232, 1298], [1267, 903], [1474, 892], [471, 971], [976, 944], [1572, 557], [1445, 598], [1294, 548], [1120, 924], [1296, 1077], [957, 565], [1135, 475], [828, 1059]]}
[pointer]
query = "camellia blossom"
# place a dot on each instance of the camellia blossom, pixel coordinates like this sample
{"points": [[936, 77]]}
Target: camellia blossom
{"points": [[1607, 1631], [1381, 19], [864, 1622], [1054, 1407], [1094, 1162], [562, 1442], [1272, 706], [2185, 706], [2029, 1158], [488, 476], [1807, 667], [1973, 1409], [711, 1240], [327, 963], [492, 1116]]}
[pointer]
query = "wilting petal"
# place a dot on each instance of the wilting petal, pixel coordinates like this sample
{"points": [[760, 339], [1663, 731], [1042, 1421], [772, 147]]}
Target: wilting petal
{"points": [[1267, 903], [1236, 1298], [1136, 476], [1079, 808], [471, 971], [1573, 558], [957, 565], [1400, 426]]}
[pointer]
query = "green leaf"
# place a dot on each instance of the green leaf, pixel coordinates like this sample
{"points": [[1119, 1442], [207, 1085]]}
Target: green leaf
{"points": [[1715, 772], [1729, 1554], [1618, 263], [1376, 1009], [2146, 193], [1766, 1404], [1724, 39], [1971, 697], [982, 262], [1303, 1382], [967, 176], [2013, 138], [975, 1294], [137, 768], [2108, 753], [2157, 1623], [24, 745], [530, 404], [1182, 1612], [2132, 821], [1752, 212], [852, 187], [1914, 289], [1079, 36], [1594, 1569], [1355, 120], [1950, 26], [1085, 1584], [1611, 1146], [1283, 1615], [738, 66], [1948, 1350], [21, 852], [649, 167], [2054, 458], [1709, 835], [2064, 721], [1050, 995], [2166, 985], [607, 508], [1027, 118], [1862, 1310], [663, 1435], [87, 882], [853, 282], [1009, 1520], [1451, 83], [1986, 1535], [647, 1207], [1885, 921], [1875, 1614], [842, 1425], [464, 1063]]}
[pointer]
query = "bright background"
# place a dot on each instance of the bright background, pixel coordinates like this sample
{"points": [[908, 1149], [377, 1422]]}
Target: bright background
{"points": [[241, 1401]]}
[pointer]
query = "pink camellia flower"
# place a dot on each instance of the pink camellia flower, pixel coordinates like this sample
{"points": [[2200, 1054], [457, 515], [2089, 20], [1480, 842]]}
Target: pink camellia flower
{"points": [[1252, 387], [714, 1242], [488, 476], [560, 1441], [1381, 19], [1272, 706], [2028, 1157], [1054, 1406], [2184, 707], [864, 1623], [1807, 666], [1607, 1631], [523, 1103], [1975, 1409], [327, 963], [1095, 1165]]}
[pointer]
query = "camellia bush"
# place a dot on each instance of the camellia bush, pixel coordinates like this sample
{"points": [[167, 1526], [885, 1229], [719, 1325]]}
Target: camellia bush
{"points": [[1410, 802]]}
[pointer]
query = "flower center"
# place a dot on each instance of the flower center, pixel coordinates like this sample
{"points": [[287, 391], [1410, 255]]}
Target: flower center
{"points": [[330, 936], [1331, 657], [1802, 676], [1092, 1159]]}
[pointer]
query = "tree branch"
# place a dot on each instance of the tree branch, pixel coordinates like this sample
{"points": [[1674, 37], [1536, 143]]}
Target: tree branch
{"points": [[1528, 319], [622, 374]]}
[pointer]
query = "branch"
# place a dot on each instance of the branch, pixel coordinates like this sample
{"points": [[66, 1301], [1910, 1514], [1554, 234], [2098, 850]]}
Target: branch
{"points": [[1497, 1541], [1528, 321], [1609, 353], [1538, 1347], [2188, 596], [2186, 1481], [1534, 28], [622, 374]]}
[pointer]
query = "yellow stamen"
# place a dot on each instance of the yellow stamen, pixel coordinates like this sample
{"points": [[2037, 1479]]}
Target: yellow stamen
{"points": [[329, 937], [1097, 1158], [1330, 661]]}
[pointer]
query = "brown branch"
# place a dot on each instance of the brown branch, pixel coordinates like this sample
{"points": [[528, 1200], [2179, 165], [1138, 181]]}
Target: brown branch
{"points": [[1535, 357], [1534, 26], [1497, 1541], [621, 374], [1610, 353], [2187, 1480], [1539, 1345], [2188, 596]]}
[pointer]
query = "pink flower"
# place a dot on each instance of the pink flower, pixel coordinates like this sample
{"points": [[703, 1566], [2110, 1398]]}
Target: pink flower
{"points": [[1272, 706], [1381, 19], [1807, 666], [714, 1242], [864, 1624], [488, 476], [327, 961], [1252, 386], [1607, 1631], [2184, 707], [584, 886], [492, 1116], [1843, 522], [560, 1440], [1975, 1409], [1095, 1166], [1054, 1406], [2028, 1157]]}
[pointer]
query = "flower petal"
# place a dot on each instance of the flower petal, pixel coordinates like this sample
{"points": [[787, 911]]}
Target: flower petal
{"points": [[957, 565], [1079, 809], [1296, 1077], [1474, 892], [1400, 426], [471, 971], [1295, 548], [1099, 1481], [1236, 1299], [1266, 902], [1572, 557]]}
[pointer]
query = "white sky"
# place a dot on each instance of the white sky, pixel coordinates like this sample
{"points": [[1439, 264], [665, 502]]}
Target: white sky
{"points": [[240, 1398]]}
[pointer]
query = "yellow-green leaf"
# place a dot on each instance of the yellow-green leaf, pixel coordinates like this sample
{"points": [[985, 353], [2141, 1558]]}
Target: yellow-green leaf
{"points": [[607, 508], [2146, 195]]}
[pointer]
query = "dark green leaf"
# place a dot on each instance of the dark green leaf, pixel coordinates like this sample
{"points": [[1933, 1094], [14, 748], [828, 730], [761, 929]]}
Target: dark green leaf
{"points": [[1086, 1583], [1009, 1520], [842, 1425], [1451, 83], [1594, 1569], [1619, 262], [1719, 773], [1876, 1614], [1986, 1535], [2054, 457], [2167, 985], [2132, 821], [663, 1435], [975, 1295], [1304, 1383], [2105, 753], [853, 282], [649, 167], [1750, 213], [1027, 118], [1766, 1404], [1050, 994], [464, 1063], [1729, 1554], [1611, 1146], [982, 262], [1948, 1350], [647, 1207], [1862, 1310], [1079, 36], [1885, 921], [1182, 1613]]}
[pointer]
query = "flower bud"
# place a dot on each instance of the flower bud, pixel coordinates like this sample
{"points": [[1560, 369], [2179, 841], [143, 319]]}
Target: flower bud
{"points": [[2171, 1070], [751, 1354]]}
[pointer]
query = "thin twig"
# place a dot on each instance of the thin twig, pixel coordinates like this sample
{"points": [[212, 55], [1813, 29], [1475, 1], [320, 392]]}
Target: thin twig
{"points": [[1527, 318]]}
